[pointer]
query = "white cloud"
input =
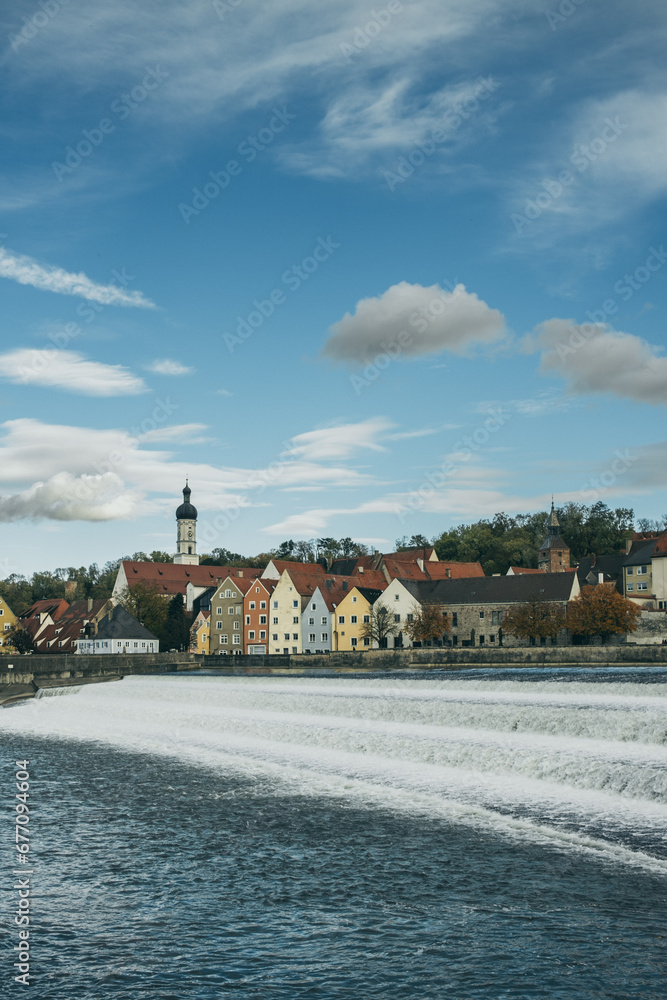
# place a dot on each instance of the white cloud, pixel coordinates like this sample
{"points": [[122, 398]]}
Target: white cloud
{"points": [[28, 271], [409, 320], [70, 371], [65, 497], [186, 433], [340, 441], [32, 451], [166, 366], [593, 358]]}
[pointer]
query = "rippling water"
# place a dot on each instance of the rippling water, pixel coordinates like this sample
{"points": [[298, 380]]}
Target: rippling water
{"points": [[473, 836]]}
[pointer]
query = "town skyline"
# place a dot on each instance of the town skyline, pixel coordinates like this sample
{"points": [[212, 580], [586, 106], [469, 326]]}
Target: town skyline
{"points": [[360, 272]]}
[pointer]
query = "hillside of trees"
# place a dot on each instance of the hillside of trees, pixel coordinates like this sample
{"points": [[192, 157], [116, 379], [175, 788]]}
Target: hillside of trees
{"points": [[498, 543]]}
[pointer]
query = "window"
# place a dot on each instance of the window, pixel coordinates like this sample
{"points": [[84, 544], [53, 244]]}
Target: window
{"points": [[642, 586], [239, 609], [234, 594], [324, 620], [313, 607], [455, 640], [286, 637], [275, 604], [411, 618], [237, 640], [295, 636], [274, 621], [230, 610], [492, 638], [341, 619], [353, 619], [219, 611], [252, 605], [481, 615], [295, 620], [274, 637], [496, 617], [397, 618], [262, 605], [2, 611], [354, 600], [630, 587], [367, 642], [237, 626], [262, 635], [397, 597], [311, 637], [353, 640], [295, 604], [367, 619], [247, 619], [481, 640], [311, 621], [228, 593], [257, 590], [630, 570], [251, 635], [223, 640], [218, 624], [262, 619], [324, 637], [641, 570]]}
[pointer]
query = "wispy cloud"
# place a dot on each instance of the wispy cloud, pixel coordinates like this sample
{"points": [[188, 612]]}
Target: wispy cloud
{"points": [[166, 366], [69, 371], [27, 271], [65, 497], [341, 441]]}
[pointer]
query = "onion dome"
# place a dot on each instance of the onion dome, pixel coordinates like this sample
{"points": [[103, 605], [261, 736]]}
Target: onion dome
{"points": [[186, 511]]}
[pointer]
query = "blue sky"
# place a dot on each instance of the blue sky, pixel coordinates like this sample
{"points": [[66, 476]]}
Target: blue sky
{"points": [[354, 270]]}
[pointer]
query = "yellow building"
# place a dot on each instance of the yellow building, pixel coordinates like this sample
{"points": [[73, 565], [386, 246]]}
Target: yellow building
{"points": [[349, 617], [7, 622], [200, 632]]}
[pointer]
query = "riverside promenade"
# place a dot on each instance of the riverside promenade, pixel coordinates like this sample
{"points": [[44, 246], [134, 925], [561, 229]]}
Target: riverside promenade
{"points": [[23, 677]]}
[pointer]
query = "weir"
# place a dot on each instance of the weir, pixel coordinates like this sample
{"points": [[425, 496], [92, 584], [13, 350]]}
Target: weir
{"points": [[23, 676]]}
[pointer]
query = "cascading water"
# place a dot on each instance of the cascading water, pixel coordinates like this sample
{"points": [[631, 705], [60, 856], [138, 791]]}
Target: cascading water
{"points": [[531, 767]]}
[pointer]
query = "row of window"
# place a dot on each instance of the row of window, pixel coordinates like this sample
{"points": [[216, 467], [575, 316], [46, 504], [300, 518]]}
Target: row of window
{"points": [[640, 586], [641, 570]]}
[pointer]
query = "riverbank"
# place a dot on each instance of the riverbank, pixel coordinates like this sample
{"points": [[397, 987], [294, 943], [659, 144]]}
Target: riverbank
{"points": [[22, 677]]}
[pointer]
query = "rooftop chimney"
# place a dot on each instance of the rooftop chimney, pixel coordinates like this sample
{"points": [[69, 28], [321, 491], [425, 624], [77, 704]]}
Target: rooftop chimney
{"points": [[90, 604]]}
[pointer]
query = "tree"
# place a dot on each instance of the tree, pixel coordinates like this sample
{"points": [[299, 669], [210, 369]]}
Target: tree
{"points": [[429, 622], [535, 619], [413, 542], [602, 611], [148, 606], [176, 632], [380, 624], [19, 639]]}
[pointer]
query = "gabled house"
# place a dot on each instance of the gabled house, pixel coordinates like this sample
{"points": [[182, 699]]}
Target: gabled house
{"points": [[350, 616], [256, 613], [57, 629], [200, 632], [117, 632], [7, 622], [227, 616]]}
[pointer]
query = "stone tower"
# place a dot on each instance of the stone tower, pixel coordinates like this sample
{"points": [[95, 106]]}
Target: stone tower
{"points": [[186, 531], [554, 553]]}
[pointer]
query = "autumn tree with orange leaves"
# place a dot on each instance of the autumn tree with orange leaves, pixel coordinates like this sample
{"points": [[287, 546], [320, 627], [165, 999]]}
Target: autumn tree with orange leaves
{"points": [[429, 622], [602, 611], [534, 619]]}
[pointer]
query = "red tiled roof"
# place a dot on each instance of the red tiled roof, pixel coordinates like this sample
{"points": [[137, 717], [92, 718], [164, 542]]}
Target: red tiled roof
{"points": [[517, 570], [172, 578], [453, 570]]}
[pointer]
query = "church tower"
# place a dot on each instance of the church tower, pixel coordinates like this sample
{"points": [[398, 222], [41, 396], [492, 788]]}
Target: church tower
{"points": [[186, 531], [554, 553]]}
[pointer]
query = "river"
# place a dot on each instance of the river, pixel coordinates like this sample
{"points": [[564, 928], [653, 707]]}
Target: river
{"points": [[475, 836]]}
